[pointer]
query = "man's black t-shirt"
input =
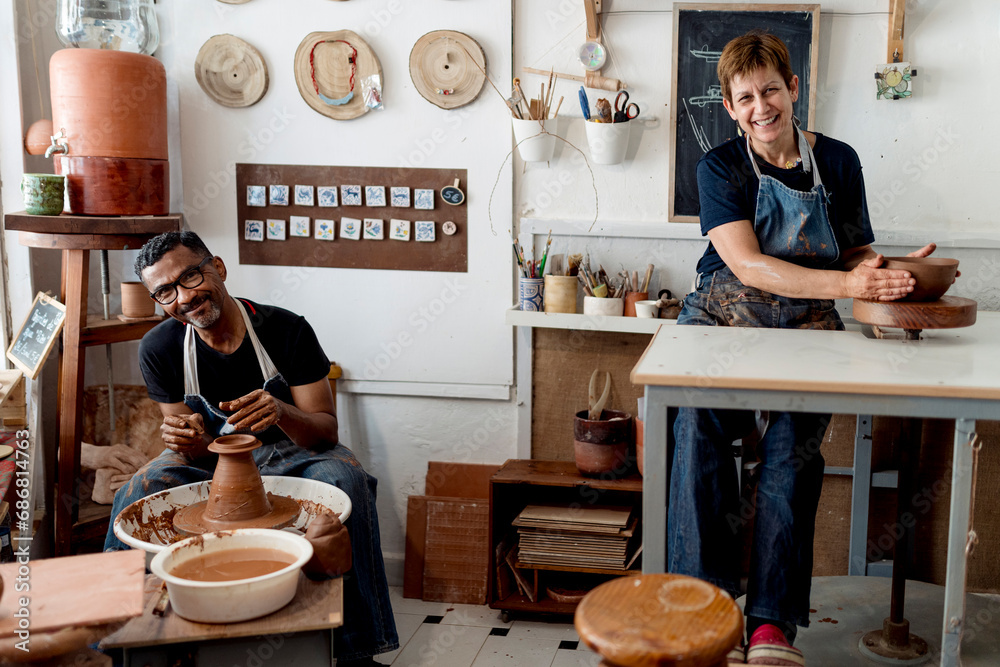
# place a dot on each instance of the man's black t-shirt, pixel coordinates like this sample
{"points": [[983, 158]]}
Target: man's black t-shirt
{"points": [[287, 338]]}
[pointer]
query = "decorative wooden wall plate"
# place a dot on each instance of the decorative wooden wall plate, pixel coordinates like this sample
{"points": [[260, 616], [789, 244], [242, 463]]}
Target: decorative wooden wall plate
{"points": [[323, 61], [448, 68], [231, 71]]}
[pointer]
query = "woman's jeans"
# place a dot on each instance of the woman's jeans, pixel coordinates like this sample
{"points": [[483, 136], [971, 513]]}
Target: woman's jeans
{"points": [[369, 627], [705, 514]]}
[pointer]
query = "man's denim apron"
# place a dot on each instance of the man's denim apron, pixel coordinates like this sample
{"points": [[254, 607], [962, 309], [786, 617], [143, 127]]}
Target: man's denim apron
{"points": [[369, 627], [705, 513]]}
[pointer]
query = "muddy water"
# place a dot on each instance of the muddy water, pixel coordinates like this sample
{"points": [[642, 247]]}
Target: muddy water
{"points": [[233, 564]]}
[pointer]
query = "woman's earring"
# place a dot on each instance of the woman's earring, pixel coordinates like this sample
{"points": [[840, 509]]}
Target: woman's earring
{"points": [[739, 130]]}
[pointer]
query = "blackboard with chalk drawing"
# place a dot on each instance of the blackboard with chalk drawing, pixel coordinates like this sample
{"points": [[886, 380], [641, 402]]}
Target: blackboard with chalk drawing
{"points": [[38, 333], [698, 120]]}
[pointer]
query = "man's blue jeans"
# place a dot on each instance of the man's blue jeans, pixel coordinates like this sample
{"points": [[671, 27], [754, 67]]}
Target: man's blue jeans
{"points": [[704, 514], [369, 627]]}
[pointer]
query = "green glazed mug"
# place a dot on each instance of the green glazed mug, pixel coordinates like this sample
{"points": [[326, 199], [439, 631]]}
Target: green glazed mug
{"points": [[43, 193]]}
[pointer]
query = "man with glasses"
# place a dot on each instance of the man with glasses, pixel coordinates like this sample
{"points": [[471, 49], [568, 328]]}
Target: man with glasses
{"points": [[221, 365]]}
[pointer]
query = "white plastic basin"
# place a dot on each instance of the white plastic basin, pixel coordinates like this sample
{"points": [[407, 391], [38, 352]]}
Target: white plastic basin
{"points": [[147, 523], [240, 599]]}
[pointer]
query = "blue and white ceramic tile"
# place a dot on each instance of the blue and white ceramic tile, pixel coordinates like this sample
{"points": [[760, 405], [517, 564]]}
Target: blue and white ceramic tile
{"points": [[303, 195], [399, 230], [275, 230], [424, 199], [298, 225], [350, 228], [256, 195], [375, 195], [325, 229], [374, 229], [423, 230], [400, 196], [327, 195], [253, 230], [350, 195], [279, 195]]}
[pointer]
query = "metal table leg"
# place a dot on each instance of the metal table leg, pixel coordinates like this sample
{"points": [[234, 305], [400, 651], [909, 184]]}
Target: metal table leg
{"points": [[654, 485], [958, 538]]}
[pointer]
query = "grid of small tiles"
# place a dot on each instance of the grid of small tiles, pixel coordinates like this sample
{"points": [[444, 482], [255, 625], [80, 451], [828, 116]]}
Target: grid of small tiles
{"points": [[323, 226]]}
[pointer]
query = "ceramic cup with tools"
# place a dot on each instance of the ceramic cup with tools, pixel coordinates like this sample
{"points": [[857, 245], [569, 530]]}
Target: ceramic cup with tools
{"points": [[631, 298], [560, 293], [533, 143], [43, 193], [608, 141], [530, 291]]}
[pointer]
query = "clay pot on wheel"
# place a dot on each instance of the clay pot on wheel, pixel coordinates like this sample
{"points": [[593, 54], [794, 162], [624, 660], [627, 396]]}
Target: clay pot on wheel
{"points": [[934, 275], [601, 445], [237, 491]]}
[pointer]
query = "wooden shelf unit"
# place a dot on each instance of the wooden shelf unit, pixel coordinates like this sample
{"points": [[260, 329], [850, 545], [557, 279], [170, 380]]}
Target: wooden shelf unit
{"points": [[522, 482], [79, 521]]}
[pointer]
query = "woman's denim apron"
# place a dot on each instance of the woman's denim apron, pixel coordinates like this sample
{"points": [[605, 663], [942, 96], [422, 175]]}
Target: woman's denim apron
{"points": [[369, 627], [705, 515]]}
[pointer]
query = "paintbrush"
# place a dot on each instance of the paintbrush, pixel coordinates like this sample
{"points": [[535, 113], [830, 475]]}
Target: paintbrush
{"points": [[645, 281]]}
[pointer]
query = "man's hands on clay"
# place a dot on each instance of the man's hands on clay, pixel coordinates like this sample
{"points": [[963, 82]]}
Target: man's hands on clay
{"points": [[331, 547], [185, 434], [122, 458], [256, 411]]}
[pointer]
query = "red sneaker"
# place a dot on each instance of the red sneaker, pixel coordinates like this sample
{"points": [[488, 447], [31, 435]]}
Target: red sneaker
{"points": [[768, 646]]}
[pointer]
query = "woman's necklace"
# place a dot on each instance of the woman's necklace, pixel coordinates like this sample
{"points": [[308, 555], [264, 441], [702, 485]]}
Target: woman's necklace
{"points": [[791, 165], [352, 59]]}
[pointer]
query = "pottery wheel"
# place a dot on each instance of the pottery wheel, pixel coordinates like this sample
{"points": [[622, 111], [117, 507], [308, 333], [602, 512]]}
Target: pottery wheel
{"points": [[231, 71], [191, 519], [448, 68], [948, 312]]}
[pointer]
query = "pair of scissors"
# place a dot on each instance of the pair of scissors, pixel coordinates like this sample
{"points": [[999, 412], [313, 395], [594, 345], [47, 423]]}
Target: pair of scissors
{"points": [[625, 111]]}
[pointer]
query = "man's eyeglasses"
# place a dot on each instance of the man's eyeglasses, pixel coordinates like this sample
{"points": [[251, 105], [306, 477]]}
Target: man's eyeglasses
{"points": [[191, 278]]}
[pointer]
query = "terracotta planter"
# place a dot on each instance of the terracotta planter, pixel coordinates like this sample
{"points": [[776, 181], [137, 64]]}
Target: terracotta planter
{"points": [[601, 446], [136, 301]]}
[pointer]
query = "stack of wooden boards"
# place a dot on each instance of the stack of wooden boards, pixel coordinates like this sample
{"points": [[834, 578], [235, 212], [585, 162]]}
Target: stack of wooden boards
{"points": [[585, 537], [447, 535]]}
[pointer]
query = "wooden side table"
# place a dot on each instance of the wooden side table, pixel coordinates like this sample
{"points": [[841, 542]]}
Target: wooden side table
{"points": [[303, 627], [76, 236]]}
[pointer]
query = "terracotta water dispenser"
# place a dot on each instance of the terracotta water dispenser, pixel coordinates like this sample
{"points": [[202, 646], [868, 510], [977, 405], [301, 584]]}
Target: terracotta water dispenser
{"points": [[109, 109]]}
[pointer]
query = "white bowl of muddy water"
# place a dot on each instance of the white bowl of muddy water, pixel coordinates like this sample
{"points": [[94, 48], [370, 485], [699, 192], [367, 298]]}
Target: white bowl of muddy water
{"points": [[147, 523], [233, 575]]}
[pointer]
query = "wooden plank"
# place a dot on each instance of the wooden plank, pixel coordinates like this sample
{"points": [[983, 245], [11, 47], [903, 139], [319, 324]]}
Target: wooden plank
{"points": [[457, 551], [317, 605], [76, 591], [459, 480], [92, 224], [532, 472], [416, 535]]}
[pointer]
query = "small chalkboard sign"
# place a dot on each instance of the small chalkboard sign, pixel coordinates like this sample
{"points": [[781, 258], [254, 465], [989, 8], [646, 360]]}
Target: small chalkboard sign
{"points": [[38, 333], [698, 120], [452, 194]]}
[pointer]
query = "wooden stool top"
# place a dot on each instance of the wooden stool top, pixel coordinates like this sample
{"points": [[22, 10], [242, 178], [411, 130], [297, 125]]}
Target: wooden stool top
{"points": [[659, 619]]}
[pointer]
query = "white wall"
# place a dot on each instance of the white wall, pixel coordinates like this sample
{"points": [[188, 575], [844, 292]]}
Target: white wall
{"points": [[928, 161]]}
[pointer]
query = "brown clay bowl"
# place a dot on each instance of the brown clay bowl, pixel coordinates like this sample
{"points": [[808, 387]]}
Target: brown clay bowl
{"points": [[934, 275]]}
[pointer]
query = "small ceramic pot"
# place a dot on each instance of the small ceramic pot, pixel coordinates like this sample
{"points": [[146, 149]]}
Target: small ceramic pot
{"points": [[560, 294], [630, 299], [43, 193], [595, 305], [136, 301], [600, 446], [646, 309]]}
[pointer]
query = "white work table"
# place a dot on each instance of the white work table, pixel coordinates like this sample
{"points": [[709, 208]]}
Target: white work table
{"points": [[948, 374]]}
